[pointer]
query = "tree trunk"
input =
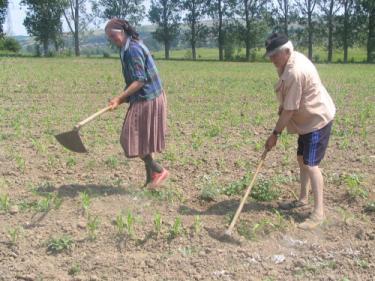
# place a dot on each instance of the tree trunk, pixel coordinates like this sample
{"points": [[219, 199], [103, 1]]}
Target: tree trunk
{"points": [[309, 23], [286, 11], [45, 47], [247, 38], [371, 37], [346, 27], [76, 29], [167, 44], [221, 37], [166, 49], [193, 41], [330, 31]]}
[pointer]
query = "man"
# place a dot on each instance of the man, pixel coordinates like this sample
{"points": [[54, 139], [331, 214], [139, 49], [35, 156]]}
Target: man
{"points": [[306, 109]]}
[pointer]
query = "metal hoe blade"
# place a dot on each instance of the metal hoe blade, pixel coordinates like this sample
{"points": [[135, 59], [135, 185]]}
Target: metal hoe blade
{"points": [[72, 141]]}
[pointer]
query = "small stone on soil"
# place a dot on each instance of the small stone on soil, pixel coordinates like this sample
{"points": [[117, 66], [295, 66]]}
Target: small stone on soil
{"points": [[278, 259], [13, 210]]}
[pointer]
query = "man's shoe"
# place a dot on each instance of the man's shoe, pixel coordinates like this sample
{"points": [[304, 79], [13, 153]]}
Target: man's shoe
{"points": [[289, 205], [159, 178], [312, 222]]}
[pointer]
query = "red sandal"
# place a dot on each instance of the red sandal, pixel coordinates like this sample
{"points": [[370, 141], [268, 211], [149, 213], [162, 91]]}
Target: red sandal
{"points": [[159, 178]]}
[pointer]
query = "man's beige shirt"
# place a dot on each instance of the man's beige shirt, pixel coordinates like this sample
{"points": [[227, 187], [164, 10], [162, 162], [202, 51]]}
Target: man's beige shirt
{"points": [[300, 88]]}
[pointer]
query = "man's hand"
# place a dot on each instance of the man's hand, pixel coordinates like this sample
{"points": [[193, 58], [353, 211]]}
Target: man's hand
{"points": [[280, 110], [114, 103], [271, 142]]}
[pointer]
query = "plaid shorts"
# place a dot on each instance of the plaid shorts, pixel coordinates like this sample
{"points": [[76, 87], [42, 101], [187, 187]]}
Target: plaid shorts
{"points": [[312, 146]]}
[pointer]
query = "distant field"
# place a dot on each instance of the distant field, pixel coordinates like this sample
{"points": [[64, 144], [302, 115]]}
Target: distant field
{"points": [[319, 54], [67, 216]]}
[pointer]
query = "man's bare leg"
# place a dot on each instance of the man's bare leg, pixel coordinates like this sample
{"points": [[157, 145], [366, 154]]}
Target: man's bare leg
{"points": [[304, 179]]}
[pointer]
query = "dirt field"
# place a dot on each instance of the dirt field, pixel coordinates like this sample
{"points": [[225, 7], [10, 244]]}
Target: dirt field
{"points": [[67, 216]]}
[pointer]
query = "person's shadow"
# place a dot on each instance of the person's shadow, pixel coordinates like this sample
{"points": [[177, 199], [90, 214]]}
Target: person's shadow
{"points": [[73, 190], [225, 207]]}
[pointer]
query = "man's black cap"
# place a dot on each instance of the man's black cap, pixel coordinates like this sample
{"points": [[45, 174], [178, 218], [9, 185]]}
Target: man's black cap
{"points": [[275, 41]]}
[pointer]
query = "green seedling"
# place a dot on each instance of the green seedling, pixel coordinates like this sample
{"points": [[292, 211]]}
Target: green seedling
{"points": [[187, 251], [44, 189], [21, 163], [38, 146], [213, 131], [57, 201], [258, 145], [346, 215], [60, 244], [130, 220], [251, 233], [75, 269], [363, 264], [93, 223], [43, 205], [197, 224], [4, 202], [176, 228], [263, 191], [236, 188], [14, 234], [86, 200], [51, 161], [209, 190], [158, 221], [354, 188], [209, 193], [280, 223], [71, 162], [168, 195], [111, 162], [120, 224]]}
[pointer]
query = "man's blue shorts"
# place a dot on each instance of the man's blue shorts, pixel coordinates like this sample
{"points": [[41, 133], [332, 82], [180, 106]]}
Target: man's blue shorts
{"points": [[312, 146]]}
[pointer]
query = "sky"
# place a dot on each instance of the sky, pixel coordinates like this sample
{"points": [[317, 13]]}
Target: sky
{"points": [[14, 25]]}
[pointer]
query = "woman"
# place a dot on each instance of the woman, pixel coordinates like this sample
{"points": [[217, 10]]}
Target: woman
{"points": [[143, 131]]}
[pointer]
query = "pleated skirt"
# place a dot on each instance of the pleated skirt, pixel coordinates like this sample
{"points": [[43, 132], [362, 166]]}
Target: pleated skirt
{"points": [[144, 128]]}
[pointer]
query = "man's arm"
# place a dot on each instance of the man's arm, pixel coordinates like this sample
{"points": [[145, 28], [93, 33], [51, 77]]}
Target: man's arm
{"points": [[284, 119]]}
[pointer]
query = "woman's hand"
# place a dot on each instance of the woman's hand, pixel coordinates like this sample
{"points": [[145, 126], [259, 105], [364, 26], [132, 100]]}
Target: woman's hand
{"points": [[114, 103], [271, 142]]}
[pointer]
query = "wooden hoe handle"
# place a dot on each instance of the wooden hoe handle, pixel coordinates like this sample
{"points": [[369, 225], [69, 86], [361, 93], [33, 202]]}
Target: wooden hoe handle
{"points": [[90, 118], [239, 209]]}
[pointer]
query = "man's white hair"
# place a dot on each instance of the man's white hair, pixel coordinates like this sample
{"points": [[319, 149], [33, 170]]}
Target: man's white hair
{"points": [[287, 46]]}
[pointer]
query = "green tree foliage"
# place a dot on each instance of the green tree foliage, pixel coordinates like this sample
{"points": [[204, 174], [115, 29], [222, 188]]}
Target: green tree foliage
{"points": [[329, 9], [3, 12], [165, 13], [43, 21], [195, 10], [221, 11], [131, 10], [307, 10], [254, 15], [348, 6], [368, 7], [9, 44], [77, 18]]}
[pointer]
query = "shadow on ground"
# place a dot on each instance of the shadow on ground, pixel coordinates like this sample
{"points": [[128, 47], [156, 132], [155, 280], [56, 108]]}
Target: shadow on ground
{"points": [[73, 190], [225, 207]]}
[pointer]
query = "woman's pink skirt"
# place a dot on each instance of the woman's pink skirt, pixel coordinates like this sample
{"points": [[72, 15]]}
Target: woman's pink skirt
{"points": [[144, 128]]}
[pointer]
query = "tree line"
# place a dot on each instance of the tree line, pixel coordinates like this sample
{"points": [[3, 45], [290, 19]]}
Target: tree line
{"points": [[334, 24]]}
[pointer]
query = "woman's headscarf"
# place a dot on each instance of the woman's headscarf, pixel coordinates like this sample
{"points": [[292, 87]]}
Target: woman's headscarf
{"points": [[120, 24]]}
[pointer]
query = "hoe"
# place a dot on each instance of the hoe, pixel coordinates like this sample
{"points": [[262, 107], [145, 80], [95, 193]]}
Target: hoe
{"points": [[72, 140]]}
